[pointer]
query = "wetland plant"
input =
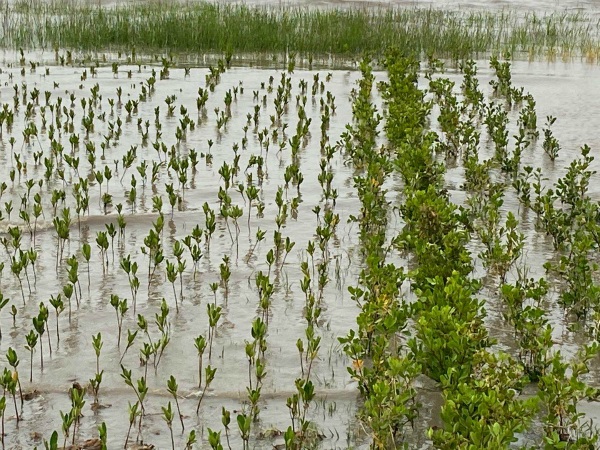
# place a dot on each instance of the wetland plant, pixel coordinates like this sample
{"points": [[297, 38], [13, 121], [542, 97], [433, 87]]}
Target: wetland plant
{"points": [[172, 389], [244, 424], [167, 415], [561, 388], [3, 302], [86, 251], [214, 314], [209, 374], [2, 412], [550, 145], [130, 340], [214, 440], [140, 389], [9, 384], [102, 243], [13, 361], [172, 273], [57, 303], [134, 413], [153, 248], [39, 325], [31, 339], [97, 380], [226, 420], [131, 268], [200, 344]]}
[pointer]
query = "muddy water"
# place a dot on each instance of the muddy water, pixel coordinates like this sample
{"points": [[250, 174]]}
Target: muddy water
{"points": [[74, 359], [562, 90]]}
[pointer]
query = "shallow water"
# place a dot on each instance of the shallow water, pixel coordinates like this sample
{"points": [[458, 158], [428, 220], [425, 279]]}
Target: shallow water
{"points": [[560, 89]]}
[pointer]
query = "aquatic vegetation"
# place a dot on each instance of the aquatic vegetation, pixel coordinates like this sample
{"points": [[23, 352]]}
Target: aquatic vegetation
{"points": [[203, 27], [403, 231]]}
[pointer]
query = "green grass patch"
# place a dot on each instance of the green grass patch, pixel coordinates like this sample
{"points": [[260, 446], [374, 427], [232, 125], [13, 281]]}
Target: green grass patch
{"points": [[211, 27]]}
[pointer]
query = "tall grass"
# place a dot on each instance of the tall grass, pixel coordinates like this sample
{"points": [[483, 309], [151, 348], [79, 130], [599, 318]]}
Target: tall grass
{"points": [[213, 27]]}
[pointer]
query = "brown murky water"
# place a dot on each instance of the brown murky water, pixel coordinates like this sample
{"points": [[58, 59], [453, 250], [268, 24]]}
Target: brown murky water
{"points": [[560, 89]]}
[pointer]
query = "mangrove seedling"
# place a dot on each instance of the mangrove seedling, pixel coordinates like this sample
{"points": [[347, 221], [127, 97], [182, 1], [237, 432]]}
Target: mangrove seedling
{"points": [[140, 389], [59, 306], [102, 242], [3, 303], [214, 314], [130, 340], [210, 376], [39, 324], [86, 251], [131, 269], [2, 411], [134, 413], [226, 420], [191, 440], [32, 340], [13, 361], [214, 440], [172, 389], [121, 308], [200, 344], [67, 422], [9, 383], [97, 344], [244, 423], [167, 414]]}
